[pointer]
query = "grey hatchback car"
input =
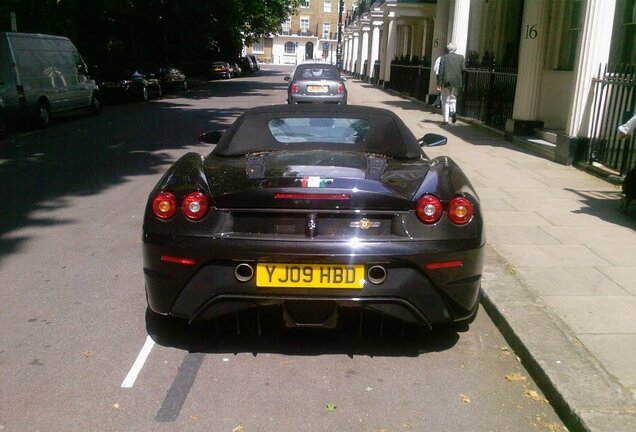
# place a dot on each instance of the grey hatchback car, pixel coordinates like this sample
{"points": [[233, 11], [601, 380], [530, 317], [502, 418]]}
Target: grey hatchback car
{"points": [[316, 83]]}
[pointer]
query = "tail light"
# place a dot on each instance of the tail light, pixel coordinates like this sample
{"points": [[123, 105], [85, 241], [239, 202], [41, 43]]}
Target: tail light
{"points": [[340, 88], [164, 206], [429, 209], [460, 210], [195, 206], [294, 88]]}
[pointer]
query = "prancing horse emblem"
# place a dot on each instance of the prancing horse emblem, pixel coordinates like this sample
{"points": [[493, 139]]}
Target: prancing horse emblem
{"points": [[364, 223]]}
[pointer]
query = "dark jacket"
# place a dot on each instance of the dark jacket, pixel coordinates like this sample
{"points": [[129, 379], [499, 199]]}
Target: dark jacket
{"points": [[451, 67]]}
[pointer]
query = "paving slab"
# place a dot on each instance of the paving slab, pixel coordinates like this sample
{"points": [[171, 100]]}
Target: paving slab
{"points": [[560, 266]]}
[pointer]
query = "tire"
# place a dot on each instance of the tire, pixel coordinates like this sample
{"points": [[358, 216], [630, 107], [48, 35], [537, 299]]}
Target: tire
{"points": [[96, 105], [3, 127], [144, 94], [43, 115]]}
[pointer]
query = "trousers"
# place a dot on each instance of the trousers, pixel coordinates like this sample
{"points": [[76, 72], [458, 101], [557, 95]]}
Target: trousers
{"points": [[449, 101]]}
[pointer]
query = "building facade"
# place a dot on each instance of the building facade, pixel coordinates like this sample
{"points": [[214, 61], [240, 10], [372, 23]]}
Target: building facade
{"points": [[555, 49], [309, 34]]}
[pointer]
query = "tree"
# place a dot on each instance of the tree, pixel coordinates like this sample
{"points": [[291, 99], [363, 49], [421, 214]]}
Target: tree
{"points": [[145, 31]]}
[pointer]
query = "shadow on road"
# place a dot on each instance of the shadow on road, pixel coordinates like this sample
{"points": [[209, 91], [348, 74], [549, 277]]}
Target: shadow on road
{"points": [[368, 335], [81, 155]]}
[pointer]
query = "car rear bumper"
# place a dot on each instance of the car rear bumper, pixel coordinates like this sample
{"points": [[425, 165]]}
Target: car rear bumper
{"points": [[207, 286], [339, 99]]}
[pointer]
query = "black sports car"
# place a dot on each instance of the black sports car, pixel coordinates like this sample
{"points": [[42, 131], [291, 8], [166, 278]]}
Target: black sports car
{"points": [[313, 209]]}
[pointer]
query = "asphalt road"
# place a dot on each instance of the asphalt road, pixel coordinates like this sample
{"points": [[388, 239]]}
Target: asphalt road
{"points": [[75, 354]]}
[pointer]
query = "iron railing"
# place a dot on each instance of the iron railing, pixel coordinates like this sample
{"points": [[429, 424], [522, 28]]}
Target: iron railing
{"points": [[411, 80], [488, 95], [613, 104]]}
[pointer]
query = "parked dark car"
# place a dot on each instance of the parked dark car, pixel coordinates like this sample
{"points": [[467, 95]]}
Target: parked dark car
{"points": [[3, 122], [236, 70], [133, 84], [255, 63], [220, 69], [246, 64], [172, 78], [314, 209], [316, 83]]}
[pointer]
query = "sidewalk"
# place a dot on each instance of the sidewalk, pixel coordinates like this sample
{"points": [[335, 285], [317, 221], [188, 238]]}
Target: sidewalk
{"points": [[560, 272]]}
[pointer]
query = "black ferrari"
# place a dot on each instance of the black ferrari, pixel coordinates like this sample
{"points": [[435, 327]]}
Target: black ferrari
{"points": [[313, 210]]}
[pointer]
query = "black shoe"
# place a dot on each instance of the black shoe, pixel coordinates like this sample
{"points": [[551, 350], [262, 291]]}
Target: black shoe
{"points": [[454, 117]]}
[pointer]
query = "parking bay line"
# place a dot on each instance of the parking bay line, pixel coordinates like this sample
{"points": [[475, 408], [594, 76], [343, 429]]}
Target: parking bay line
{"points": [[138, 364]]}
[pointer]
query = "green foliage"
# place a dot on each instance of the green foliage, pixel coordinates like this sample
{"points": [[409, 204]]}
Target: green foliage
{"points": [[151, 31]]}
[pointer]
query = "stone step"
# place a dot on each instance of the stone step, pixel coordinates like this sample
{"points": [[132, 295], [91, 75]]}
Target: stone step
{"points": [[538, 146], [548, 135]]}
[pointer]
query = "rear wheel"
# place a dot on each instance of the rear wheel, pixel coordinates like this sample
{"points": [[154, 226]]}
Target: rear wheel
{"points": [[3, 126], [96, 105], [43, 115]]}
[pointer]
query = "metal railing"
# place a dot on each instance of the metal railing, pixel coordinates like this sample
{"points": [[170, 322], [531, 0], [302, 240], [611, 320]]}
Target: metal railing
{"points": [[613, 104], [411, 80], [489, 95]]}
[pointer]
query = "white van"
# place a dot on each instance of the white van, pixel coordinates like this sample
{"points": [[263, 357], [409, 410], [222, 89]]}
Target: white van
{"points": [[41, 75]]}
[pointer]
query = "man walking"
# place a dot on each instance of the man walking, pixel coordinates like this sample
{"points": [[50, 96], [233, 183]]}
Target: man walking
{"points": [[449, 81]]}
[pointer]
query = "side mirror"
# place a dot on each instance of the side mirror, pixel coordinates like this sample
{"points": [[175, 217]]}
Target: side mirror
{"points": [[287, 78], [432, 140], [210, 137]]}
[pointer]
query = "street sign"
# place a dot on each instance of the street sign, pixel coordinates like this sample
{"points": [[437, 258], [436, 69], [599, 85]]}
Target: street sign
{"points": [[325, 45]]}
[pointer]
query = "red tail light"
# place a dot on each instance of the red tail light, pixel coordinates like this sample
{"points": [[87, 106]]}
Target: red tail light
{"points": [[340, 88], [164, 206], [178, 260], [294, 88], [312, 196], [460, 210], [429, 209], [195, 206]]}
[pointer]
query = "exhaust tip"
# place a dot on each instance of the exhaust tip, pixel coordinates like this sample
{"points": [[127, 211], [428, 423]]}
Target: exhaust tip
{"points": [[243, 272], [376, 274]]}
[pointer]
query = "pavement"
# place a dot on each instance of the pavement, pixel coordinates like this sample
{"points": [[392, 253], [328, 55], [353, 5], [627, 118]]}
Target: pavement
{"points": [[560, 272]]}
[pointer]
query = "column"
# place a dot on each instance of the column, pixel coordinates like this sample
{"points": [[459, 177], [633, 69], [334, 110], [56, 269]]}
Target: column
{"points": [[350, 54], [440, 30], [531, 59], [391, 44], [363, 53], [374, 47], [383, 44], [355, 59], [347, 52], [594, 50], [459, 34]]}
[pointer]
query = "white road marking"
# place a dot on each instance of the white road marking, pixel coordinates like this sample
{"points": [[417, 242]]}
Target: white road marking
{"points": [[139, 363]]}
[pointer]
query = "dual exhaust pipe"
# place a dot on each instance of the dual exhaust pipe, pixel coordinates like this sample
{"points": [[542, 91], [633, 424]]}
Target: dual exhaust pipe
{"points": [[244, 272]]}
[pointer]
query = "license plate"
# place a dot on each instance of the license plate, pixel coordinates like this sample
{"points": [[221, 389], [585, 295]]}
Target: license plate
{"points": [[317, 89], [309, 276]]}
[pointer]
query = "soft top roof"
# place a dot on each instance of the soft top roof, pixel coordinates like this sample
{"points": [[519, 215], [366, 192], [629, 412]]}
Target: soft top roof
{"points": [[386, 135]]}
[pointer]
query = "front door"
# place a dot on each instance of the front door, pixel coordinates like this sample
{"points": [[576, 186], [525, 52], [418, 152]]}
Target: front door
{"points": [[309, 51]]}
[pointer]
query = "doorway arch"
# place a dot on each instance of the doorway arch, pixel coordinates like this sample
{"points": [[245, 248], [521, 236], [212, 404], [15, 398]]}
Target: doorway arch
{"points": [[309, 51]]}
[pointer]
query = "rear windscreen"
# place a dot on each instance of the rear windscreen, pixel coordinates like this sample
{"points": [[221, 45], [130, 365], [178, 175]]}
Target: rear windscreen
{"points": [[319, 130]]}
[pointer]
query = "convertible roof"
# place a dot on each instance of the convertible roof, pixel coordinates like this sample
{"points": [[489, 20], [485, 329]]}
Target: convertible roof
{"points": [[387, 134]]}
